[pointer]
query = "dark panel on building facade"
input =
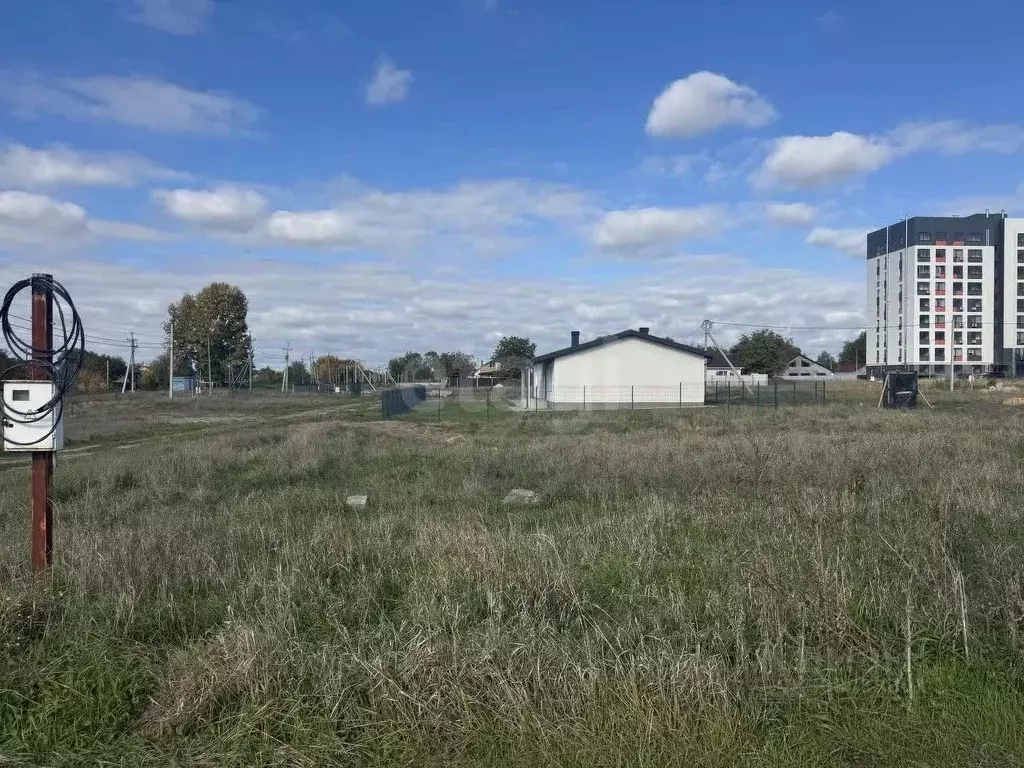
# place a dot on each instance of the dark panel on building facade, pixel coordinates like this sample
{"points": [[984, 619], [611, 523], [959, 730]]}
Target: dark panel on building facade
{"points": [[978, 229]]}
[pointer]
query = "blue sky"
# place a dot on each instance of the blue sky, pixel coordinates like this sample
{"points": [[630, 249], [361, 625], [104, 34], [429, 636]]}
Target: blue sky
{"points": [[393, 175]]}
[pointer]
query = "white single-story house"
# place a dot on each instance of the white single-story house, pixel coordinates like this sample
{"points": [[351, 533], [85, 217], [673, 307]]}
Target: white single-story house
{"points": [[802, 367], [718, 369], [628, 369]]}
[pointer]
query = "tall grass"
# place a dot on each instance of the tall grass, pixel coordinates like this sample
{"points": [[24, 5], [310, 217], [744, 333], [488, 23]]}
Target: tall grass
{"points": [[813, 586]]}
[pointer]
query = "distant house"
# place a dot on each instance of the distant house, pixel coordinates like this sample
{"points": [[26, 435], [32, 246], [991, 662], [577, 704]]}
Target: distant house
{"points": [[629, 368], [719, 370], [851, 371], [802, 367]]}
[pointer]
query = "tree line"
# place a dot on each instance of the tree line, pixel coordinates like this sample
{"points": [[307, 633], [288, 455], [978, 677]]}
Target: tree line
{"points": [[766, 351]]}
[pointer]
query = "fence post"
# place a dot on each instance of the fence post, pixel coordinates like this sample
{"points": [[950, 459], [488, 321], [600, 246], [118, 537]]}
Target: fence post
{"points": [[488, 402], [728, 395], [757, 394], [680, 394], [632, 398], [776, 394], [743, 391], [815, 391], [438, 404], [716, 391], [794, 393], [823, 393]]}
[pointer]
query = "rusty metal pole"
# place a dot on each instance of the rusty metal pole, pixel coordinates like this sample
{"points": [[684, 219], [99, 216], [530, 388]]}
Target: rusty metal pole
{"points": [[42, 461]]}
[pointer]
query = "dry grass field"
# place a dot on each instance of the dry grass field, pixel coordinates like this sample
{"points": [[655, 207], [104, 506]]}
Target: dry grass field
{"points": [[813, 586]]}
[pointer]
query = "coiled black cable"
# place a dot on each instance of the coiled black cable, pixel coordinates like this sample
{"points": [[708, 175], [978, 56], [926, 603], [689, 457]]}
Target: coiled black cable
{"points": [[67, 359]]}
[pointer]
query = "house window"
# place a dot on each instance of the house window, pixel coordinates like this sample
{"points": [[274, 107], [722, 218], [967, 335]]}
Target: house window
{"points": [[924, 254], [974, 256]]}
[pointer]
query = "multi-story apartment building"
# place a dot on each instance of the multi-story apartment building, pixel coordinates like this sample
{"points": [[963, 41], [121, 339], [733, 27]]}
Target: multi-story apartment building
{"points": [[946, 290]]}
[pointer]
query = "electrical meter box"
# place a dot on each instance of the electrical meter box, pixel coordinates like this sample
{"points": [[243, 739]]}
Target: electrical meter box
{"points": [[27, 397]]}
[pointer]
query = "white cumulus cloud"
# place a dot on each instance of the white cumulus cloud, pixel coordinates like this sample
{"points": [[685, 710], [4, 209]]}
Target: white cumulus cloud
{"points": [[31, 219], [141, 102], [226, 207], [813, 161], [791, 214], [852, 242], [639, 228], [59, 166], [389, 84], [703, 102]]}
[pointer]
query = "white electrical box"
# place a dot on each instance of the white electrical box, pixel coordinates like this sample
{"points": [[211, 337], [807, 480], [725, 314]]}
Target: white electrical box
{"points": [[44, 434]]}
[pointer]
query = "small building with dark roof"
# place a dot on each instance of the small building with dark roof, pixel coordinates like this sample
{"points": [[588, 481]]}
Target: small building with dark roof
{"points": [[632, 368]]}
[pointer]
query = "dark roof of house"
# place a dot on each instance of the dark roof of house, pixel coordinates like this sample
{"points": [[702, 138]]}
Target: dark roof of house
{"points": [[719, 362], [630, 334]]}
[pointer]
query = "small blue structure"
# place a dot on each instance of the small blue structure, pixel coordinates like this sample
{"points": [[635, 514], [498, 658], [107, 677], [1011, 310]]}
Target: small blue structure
{"points": [[183, 384]]}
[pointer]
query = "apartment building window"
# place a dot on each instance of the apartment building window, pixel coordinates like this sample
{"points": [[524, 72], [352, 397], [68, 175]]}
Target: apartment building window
{"points": [[940, 289], [924, 271], [940, 321], [924, 354], [1020, 289], [958, 322], [923, 321], [958, 255], [1020, 339], [878, 267], [1020, 305], [974, 289], [1020, 257], [923, 305], [940, 354], [958, 238], [924, 237], [901, 266], [974, 337], [1020, 321], [973, 354], [958, 354], [1020, 273], [1020, 239], [940, 254], [923, 289], [940, 236], [974, 256], [940, 305], [958, 337], [974, 305], [940, 272], [958, 289], [974, 273], [974, 321], [974, 238], [922, 337], [958, 273], [924, 254]]}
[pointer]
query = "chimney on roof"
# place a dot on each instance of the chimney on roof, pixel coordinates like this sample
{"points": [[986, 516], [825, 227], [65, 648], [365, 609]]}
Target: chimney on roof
{"points": [[574, 339], [644, 330]]}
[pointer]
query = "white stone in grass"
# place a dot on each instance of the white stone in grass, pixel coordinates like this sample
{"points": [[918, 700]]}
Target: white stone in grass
{"points": [[521, 496], [356, 502]]}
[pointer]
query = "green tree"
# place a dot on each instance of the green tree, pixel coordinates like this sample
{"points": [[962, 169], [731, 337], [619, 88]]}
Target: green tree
{"points": [[211, 326], [855, 351], [826, 359], [155, 374], [764, 351], [329, 369], [456, 364], [412, 366], [512, 353]]}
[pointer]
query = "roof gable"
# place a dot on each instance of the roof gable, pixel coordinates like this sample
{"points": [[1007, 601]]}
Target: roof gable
{"points": [[628, 334]]}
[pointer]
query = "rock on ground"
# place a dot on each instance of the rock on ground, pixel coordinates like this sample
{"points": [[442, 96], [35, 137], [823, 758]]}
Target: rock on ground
{"points": [[521, 496], [356, 502]]}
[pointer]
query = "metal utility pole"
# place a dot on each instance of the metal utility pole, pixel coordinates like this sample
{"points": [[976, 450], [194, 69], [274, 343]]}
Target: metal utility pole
{"points": [[252, 356], [170, 369], [42, 461]]}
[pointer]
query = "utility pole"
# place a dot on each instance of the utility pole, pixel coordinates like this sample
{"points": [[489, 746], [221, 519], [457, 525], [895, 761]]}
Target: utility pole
{"points": [[209, 365], [108, 375], [284, 378], [131, 365], [170, 368], [252, 355], [949, 331], [42, 461]]}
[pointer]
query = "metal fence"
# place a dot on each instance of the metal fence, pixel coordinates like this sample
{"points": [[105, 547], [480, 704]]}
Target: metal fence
{"points": [[772, 394]]}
